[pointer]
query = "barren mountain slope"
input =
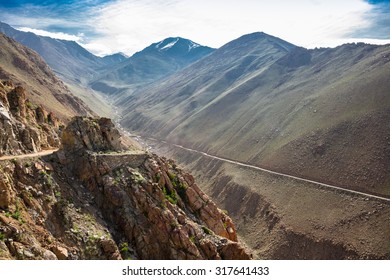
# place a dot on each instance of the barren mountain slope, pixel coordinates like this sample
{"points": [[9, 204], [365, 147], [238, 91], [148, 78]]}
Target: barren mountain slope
{"points": [[321, 114], [26, 68], [68, 59]]}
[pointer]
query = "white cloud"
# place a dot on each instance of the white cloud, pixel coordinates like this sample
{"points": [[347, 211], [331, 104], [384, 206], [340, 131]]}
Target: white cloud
{"points": [[131, 25], [56, 35]]}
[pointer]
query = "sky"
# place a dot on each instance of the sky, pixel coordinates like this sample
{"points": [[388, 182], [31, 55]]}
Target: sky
{"points": [[109, 26]]}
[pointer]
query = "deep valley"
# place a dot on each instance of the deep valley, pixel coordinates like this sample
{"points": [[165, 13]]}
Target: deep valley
{"points": [[259, 149]]}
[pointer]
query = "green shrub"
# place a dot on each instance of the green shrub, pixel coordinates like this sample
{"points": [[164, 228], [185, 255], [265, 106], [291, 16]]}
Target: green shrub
{"points": [[124, 247], [206, 230], [170, 196]]}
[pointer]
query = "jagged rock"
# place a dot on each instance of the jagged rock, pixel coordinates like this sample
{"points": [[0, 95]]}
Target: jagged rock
{"points": [[60, 252], [232, 251], [40, 114], [6, 196], [91, 134], [49, 255], [111, 249], [17, 102], [23, 127], [4, 115], [93, 191], [4, 252]]}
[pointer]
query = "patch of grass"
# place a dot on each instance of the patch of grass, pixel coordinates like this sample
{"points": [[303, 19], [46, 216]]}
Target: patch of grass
{"points": [[192, 239], [206, 230], [124, 247], [47, 178], [2, 236], [75, 229], [57, 194], [138, 178], [171, 175], [17, 215], [170, 196], [30, 105]]}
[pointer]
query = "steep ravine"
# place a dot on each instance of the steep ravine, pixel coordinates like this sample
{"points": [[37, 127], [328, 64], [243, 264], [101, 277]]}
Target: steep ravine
{"points": [[282, 218]]}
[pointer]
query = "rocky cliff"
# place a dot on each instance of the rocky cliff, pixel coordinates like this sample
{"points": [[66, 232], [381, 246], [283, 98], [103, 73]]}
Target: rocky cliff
{"points": [[97, 198], [24, 126]]}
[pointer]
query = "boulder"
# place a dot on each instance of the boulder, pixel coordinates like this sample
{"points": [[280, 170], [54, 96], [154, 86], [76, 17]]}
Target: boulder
{"points": [[84, 133]]}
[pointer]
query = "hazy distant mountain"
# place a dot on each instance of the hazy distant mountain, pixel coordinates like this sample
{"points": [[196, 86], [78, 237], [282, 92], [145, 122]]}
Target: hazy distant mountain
{"points": [[322, 113], [67, 58], [114, 58], [25, 67], [152, 63]]}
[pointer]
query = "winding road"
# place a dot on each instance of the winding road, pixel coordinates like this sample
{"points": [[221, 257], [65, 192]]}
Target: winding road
{"points": [[367, 195], [32, 155]]}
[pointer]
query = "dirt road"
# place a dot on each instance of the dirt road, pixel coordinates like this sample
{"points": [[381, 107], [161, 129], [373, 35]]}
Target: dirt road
{"points": [[367, 195], [38, 154]]}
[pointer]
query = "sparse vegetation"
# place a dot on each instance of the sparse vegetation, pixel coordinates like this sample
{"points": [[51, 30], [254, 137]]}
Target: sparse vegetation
{"points": [[57, 194], [206, 230], [170, 196], [30, 105], [17, 215], [124, 247], [138, 178], [48, 179]]}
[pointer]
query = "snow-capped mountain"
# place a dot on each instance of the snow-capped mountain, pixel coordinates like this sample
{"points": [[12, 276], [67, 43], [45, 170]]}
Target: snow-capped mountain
{"points": [[184, 51], [152, 63]]}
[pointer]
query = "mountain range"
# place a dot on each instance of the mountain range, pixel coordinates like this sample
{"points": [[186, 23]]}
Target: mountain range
{"points": [[157, 61], [311, 117], [264, 101], [257, 99], [74, 188]]}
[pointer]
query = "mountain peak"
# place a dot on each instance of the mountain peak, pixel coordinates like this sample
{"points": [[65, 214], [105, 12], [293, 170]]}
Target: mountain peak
{"points": [[176, 43], [166, 43]]}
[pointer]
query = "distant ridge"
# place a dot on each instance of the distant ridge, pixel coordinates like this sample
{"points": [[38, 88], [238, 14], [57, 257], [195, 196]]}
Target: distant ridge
{"points": [[26, 68], [67, 58]]}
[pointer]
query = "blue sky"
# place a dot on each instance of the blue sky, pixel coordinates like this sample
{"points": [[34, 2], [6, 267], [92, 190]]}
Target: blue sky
{"points": [[109, 26]]}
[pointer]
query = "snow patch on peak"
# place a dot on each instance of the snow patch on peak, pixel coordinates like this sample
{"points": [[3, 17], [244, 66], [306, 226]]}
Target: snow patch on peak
{"points": [[158, 44], [170, 45], [193, 45]]}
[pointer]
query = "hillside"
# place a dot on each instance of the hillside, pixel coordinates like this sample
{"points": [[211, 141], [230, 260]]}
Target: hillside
{"points": [[321, 114], [67, 58], [26, 68]]}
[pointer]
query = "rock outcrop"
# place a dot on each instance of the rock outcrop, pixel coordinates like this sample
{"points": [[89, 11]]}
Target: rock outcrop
{"points": [[24, 126], [98, 199]]}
